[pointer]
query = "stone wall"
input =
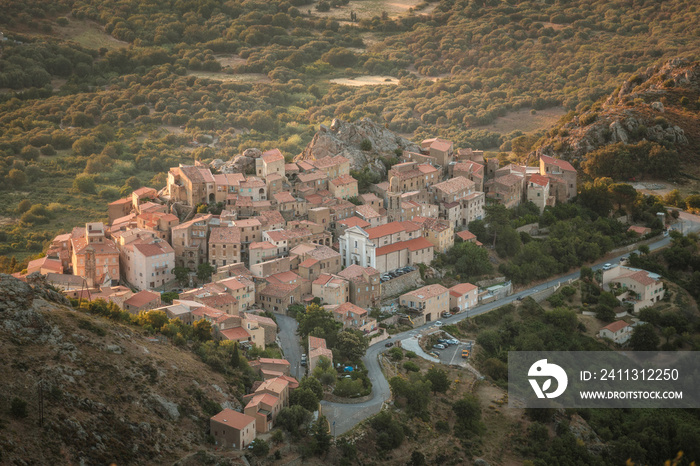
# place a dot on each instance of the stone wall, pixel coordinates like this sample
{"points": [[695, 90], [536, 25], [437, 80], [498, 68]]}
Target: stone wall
{"points": [[401, 284]]}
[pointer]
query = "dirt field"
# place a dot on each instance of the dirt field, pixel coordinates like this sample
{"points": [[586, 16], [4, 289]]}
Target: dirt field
{"points": [[525, 121], [224, 77], [366, 81], [88, 34], [367, 9]]}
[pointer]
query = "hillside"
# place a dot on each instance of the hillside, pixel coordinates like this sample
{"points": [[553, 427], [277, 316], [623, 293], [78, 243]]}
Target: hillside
{"points": [[109, 393], [657, 106]]}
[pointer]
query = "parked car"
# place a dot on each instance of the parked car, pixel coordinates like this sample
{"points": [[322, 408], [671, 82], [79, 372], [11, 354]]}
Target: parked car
{"points": [[433, 355], [303, 359], [465, 353], [439, 346], [447, 314], [607, 266], [442, 341], [389, 344], [453, 341], [438, 323]]}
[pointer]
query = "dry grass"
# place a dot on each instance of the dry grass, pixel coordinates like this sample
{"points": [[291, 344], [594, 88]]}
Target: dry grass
{"points": [[225, 77], [366, 81], [523, 120], [88, 34], [367, 9]]}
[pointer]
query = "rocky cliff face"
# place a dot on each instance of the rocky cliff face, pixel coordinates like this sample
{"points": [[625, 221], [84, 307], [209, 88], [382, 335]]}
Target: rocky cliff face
{"points": [[345, 139], [109, 394], [652, 105]]}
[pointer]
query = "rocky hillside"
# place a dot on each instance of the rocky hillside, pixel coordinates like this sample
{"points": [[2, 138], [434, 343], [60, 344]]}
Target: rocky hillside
{"points": [[346, 139], [659, 104], [109, 393]]}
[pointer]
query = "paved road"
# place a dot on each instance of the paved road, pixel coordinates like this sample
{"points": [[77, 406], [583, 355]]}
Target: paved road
{"points": [[289, 342], [344, 417]]}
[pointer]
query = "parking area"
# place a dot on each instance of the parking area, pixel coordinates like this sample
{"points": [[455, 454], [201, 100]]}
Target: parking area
{"points": [[385, 277]]}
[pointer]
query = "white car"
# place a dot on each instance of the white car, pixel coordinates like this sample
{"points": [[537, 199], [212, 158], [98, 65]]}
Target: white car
{"points": [[607, 266], [438, 323]]}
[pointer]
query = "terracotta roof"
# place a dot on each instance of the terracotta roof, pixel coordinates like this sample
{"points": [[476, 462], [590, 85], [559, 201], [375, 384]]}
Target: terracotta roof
{"points": [[353, 271], [323, 252], [284, 277], [284, 196], [276, 385], [271, 216], [426, 168], [291, 167], [228, 235], [321, 352], [412, 245], [236, 333], [366, 211], [615, 326], [142, 298], [344, 308], [343, 180], [266, 398], [312, 176], [126, 200], [508, 180], [563, 164], [463, 288], [284, 362], [539, 179], [442, 145], [391, 228], [642, 277], [315, 342], [279, 290], [354, 222], [272, 155], [310, 262], [454, 185], [466, 235], [154, 249], [427, 292], [434, 224], [249, 222], [218, 300], [304, 165], [231, 418], [639, 229]]}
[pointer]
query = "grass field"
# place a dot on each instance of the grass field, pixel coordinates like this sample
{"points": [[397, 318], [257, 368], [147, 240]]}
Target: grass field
{"points": [[88, 34], [225, 77], [525, 121]]}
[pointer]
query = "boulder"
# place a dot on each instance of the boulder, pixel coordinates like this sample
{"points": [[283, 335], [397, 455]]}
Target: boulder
{"points": [[343, 138]]}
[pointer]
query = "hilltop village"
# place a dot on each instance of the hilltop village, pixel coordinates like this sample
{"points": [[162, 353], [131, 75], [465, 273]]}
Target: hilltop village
{"points": [[232, 246]]}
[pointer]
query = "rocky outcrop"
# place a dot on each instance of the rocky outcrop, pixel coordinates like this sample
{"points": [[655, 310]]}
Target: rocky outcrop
{"points": [[241, 163], [346, 139], [634, 113]]}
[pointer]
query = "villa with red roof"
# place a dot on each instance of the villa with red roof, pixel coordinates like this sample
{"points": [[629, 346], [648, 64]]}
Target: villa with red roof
{"points": [[142, 301], [640, 288], [618, 331], [317, 350], [463, 296], [232, 429], [537, 191], [354, 317], [430, 301], [563, 175]]}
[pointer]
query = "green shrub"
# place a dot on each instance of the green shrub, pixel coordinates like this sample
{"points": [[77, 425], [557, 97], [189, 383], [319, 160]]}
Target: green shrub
{"points": [[366, 145], [411, 366], [84, 184], [18, 408]]}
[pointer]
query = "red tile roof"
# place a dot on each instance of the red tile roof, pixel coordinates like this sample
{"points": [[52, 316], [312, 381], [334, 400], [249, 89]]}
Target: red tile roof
{"points": [[142, 298], [615, 326], [463, 288], [272, 155], [412, 245], [427, 292], [231, 418], [236, 333], [563, 164], [391, 228], [343, 180], [354, 222], [466, 235], [539, 179]]}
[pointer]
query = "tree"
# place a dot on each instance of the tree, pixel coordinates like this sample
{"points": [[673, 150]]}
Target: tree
{"points": [[84, 184], [417, 459], [202, 330], [320, 322], [586, 273], [644, 250], [322, 436], [468, 412], [312, 384], [182, 275], [169, 296], [324, 371], [154, 319], [438, 379], [235, 359], [260, 447], [351, 345], [305, 398], [348, 387], [85, 146], [604, 313], [293, 418], [204, 271], [23, 206], [390, 434], [644, 338], [668, 333], [623, 194]]}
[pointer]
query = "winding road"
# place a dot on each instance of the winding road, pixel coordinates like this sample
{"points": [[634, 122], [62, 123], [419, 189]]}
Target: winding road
{"points": [[343, 417]]}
